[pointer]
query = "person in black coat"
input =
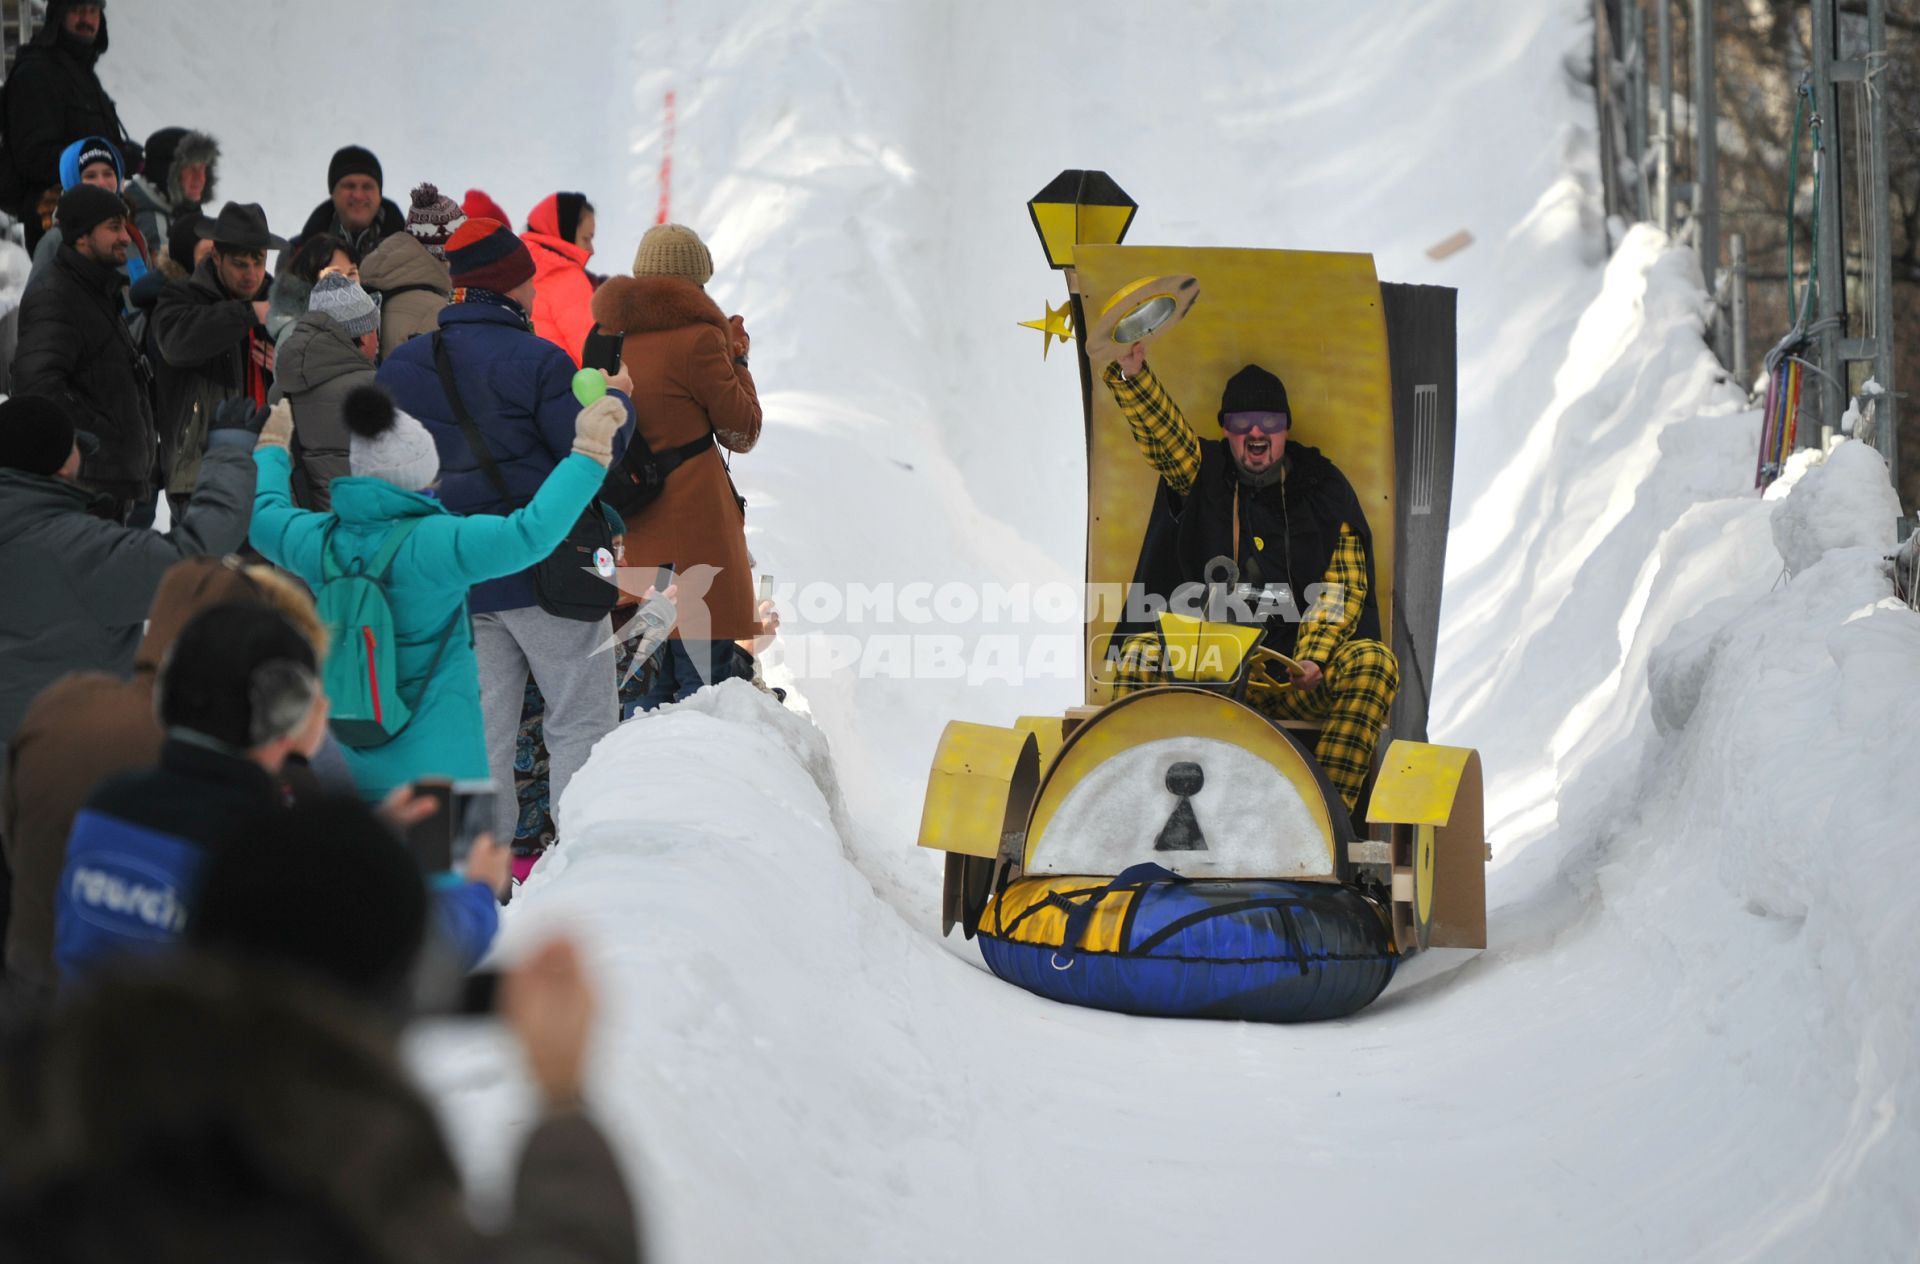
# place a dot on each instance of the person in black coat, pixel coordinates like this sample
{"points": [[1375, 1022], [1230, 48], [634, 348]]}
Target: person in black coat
{"points": [[75, 348], [53, 98], [211, 336]]}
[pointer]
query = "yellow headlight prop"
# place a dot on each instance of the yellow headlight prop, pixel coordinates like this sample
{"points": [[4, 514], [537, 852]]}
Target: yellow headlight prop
{"points": [[1080, 208], [1139, 312]]}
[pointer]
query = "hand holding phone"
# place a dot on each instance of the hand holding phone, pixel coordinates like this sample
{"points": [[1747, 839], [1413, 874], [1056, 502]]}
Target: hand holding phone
{"points": [[489, 862]]}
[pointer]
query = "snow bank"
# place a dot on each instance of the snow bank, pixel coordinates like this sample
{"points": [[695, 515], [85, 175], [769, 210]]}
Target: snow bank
{"points": [[1845, 502]]}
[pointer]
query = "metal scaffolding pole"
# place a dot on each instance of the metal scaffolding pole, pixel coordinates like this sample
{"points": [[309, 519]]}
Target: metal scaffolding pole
{"points": [[1634, 43], [1829, 253], [1664, 174], [1881, 237], [1737, 303], [1706, 211]]}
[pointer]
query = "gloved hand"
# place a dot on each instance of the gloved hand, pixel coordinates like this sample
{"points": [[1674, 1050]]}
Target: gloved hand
{"points": [[278, 432], [594, 428], [235, 424]]}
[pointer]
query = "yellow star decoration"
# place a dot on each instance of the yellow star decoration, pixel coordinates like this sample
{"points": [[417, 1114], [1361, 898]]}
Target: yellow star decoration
{"points": [[1057, 323]]}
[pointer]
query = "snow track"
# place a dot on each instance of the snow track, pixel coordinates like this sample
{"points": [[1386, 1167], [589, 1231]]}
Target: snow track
{"points": [[1693, 1035]]}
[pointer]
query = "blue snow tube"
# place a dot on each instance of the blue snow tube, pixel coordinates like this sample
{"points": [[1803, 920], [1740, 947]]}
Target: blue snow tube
{"points": [[1148, 942]]}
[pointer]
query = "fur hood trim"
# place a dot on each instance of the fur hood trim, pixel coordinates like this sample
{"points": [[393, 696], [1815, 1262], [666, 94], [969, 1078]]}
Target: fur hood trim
{"points": [[654, 304], [194, 147]]}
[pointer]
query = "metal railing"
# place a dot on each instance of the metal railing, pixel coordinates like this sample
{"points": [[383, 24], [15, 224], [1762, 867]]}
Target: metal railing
{"points": [[1651, 134]]}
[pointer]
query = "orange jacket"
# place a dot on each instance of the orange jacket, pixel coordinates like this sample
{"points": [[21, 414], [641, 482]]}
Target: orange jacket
{"points": [[562, 294]]}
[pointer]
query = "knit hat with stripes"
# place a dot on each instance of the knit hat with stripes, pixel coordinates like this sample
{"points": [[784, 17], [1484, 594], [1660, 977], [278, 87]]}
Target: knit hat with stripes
{"points": [[433, 218], [484, 254]]}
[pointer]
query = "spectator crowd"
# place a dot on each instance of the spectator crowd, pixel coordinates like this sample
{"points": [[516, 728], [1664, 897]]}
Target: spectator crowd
{"points": [[304, 539]]}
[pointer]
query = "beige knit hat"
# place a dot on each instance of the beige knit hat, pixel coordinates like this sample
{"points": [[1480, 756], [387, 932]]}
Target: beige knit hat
{"points": [[673, 250]]}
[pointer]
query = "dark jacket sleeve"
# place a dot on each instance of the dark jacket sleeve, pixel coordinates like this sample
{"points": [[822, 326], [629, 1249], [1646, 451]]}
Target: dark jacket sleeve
{"points": [[47, 359], [36, 121], [118, 577], [191, 333], [570, 1203]]}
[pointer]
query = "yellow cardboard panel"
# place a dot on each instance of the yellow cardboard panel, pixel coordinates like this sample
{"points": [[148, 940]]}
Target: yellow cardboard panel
{"points": [[1313, 318], [981, 777], [1418, 783]]}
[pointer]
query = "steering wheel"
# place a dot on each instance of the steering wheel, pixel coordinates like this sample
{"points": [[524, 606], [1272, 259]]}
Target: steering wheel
{"points": [[1270, 670]]}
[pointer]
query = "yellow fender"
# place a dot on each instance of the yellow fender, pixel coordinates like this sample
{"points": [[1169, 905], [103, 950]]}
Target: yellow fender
{"points": [[979, 792], [1433, 797]]}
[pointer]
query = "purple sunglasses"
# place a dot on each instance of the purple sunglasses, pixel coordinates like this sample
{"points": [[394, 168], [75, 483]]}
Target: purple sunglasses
{"points": [[1247, 423]]}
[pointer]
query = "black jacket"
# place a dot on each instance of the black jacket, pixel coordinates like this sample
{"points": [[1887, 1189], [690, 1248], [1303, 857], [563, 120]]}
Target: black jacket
{"points": [[75, 348], [387, 223], [1288, 533], [53, 98], [201, 338], [196, 793]]}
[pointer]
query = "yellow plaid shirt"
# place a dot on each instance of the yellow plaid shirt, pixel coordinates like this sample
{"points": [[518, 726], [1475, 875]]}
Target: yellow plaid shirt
{"points": [[1165, 438]]}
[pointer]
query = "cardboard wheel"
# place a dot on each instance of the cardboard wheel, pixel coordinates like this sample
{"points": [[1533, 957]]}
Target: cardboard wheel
{"points": [[1139, 313], [963, 896], [1423, 845]]}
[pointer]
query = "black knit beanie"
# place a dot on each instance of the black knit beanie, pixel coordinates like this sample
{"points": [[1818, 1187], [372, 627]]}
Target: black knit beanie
{"points": [[36, 435], [1254, 390], [269, 892], [353, 160], [84, 208]]}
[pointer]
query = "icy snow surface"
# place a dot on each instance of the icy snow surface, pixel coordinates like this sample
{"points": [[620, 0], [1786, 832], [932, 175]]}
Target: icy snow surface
{"points": [[1694, 1035]]}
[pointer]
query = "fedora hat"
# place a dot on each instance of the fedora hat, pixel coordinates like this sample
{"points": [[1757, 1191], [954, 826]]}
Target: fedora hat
{"points": [[242, 225]]}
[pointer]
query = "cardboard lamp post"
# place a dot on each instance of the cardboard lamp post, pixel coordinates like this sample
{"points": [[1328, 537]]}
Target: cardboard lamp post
{"points": [[1170, 850]]}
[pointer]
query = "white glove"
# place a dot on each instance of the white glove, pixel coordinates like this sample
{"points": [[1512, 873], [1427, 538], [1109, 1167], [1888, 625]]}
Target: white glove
{"points": [[594, 428]]}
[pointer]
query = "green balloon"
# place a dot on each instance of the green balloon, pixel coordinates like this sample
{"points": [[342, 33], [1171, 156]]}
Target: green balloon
{"points": [[589, 385]]}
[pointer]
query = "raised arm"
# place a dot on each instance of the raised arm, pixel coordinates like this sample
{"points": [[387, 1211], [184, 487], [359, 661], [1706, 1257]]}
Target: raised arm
{"points": [[1160, 429], [724, 388], [119, 586], [486, 546], [289, 537]]}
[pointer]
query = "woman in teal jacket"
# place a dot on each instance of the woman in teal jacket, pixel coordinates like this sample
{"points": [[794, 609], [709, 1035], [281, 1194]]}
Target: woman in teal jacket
{"points": [[392, 460]]}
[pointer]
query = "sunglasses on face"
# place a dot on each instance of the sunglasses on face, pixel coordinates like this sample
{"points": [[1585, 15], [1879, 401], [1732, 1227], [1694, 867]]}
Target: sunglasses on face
{"points": [[1247, 423]]}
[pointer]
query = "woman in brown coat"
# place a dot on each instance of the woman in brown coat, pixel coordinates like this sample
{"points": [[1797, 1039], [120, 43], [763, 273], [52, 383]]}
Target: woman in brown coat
{"points": [[690, 379]]}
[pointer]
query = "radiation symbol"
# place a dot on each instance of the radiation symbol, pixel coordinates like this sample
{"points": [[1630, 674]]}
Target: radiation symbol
{"points": [[603, 562], [1423, 885]]}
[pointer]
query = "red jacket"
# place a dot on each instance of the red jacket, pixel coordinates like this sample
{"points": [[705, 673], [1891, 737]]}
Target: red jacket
{"points": [[562, 294]]}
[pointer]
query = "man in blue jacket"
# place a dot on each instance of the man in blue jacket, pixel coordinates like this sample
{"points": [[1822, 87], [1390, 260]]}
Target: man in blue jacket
{"points": [[517, 387]]}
